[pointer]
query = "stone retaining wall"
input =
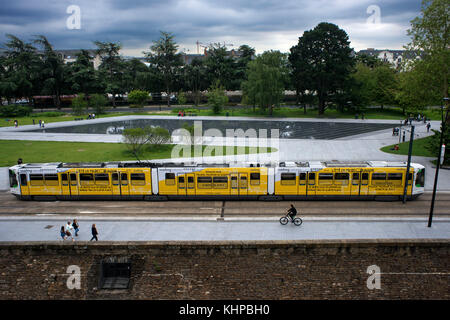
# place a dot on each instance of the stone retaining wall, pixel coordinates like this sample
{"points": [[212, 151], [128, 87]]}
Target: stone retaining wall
{"points": [[231, 270]]}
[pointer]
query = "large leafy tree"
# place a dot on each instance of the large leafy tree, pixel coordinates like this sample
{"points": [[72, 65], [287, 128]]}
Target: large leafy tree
{"points": [[322, 62], [430, 35], [163, 55], [247, 54], [267, 76], [83, 76], [220, 65], [195, 77], [111, 67], [20, 70], [53, 70]]}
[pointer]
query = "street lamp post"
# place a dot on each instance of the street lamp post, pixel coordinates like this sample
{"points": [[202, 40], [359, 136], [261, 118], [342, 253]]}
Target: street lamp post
{"points": [[444, 120]]}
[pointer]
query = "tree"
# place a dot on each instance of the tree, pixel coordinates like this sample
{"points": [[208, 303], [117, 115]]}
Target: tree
{"points": [[196, 78], [163, 55], [98, 102], [324, 59], [53, 70], [219, 65], [247, 54], [83, 76], [217, 97], [111, 67], [20, 70], [267, 75], [430, 34], [138, 97], [385, 85], [135, 139], [79, 104]]}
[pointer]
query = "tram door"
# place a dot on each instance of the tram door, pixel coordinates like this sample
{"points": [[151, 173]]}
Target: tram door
{"points": [[73, 182], [234, 190], [243, 184], [364, 187], [181, 184], [190, 191], [65, 187], [124, 181]]}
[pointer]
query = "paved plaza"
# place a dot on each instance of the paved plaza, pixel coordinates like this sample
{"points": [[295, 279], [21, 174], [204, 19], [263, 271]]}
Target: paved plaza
{"points": [[359, 147]]}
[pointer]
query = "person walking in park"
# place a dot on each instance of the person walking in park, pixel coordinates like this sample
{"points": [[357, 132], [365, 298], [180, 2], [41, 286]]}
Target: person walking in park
{"points": [[76, 227], [94, 233], [404, 136], [63, 233], [40, 123], [428, 127], [16, 123], [43, 124]]}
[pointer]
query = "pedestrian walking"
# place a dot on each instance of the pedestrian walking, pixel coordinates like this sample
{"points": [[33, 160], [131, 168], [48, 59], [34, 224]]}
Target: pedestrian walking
{"points": [[43, 123], [33, 122], [94, 233], [428, 127], [63, 233], [40, 123], [69, 230], [404, 136], [16, 123], [76, 227]]}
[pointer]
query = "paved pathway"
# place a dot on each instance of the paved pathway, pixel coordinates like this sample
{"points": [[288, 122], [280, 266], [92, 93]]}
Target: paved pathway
{"points": [[236, 229]]}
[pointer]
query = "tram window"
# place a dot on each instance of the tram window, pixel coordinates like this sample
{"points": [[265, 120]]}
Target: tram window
{"points": [[312, 178], [302, 179], [36, 179], [204, 182], [73, 179], [243, 182], [64, 179], [51, 179], [124, 179], [101, 179], [86, 178], [365, 178], [234, 183], [341, 178], [288, 178], [23, 179], [420, 179], [410, 177], [395, 176], [190, 179], [115, 179], [180, 179], [254, 179], [325, 178], [138, 179], [220, 182], [170, 179], [190, 182], [378, 176], [355, 179]]}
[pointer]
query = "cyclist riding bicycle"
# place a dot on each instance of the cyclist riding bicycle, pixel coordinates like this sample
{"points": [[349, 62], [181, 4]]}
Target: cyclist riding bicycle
{"points": [[292, 212]]}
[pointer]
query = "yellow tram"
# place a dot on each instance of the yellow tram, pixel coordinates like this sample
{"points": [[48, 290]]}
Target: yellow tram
{"points": [[165, 181]]}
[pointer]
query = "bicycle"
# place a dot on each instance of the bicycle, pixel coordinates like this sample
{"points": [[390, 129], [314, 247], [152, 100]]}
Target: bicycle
{"points": [[284, 220]]}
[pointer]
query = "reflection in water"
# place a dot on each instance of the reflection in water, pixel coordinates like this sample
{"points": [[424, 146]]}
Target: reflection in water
{"points": [[287, 129]]}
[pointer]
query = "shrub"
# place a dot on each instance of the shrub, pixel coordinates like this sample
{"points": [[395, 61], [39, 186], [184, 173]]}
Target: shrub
{"points": [[138, 97], [79, 104], [47, 114], [182, 98], [15, 111], [98, 102], [217, 97]]}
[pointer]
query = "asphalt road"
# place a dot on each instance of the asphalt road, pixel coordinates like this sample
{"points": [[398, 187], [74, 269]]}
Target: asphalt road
{"points": [[420, 207]]}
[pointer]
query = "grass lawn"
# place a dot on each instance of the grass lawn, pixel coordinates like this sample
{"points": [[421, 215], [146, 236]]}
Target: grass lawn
{"points": [[55, 151], [419, 148], [282, 112]]}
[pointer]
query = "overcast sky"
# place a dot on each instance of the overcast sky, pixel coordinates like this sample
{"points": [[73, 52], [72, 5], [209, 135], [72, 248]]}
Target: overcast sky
{"points": [[262, 24]]}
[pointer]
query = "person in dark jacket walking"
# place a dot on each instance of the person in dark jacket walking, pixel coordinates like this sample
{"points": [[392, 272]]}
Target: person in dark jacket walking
{"points": [[94, 233], [76, 227], [428, 127]]}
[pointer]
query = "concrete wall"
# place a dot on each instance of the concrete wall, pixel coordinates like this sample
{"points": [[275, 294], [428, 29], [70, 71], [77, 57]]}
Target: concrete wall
{"points": [[4, 178], [231, 270]]}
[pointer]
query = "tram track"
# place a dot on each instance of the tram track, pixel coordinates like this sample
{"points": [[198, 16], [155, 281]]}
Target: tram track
{"points": [[420, 207]]}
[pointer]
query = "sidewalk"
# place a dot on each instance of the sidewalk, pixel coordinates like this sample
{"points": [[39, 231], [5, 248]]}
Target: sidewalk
{"points": [[228, 230]]}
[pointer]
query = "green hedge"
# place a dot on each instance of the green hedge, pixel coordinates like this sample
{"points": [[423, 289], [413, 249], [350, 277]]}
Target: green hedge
{"points": [[15, 111]]}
